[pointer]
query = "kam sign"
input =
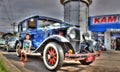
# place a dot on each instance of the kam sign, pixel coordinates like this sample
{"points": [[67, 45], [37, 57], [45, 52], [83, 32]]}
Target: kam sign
{"points": [[105, 19]]}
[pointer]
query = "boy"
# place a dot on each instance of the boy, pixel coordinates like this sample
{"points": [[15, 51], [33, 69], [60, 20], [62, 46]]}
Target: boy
{"points": [[26, 48]]}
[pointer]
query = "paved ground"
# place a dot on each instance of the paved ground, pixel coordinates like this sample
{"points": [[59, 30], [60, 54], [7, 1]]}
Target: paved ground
{"points": [[108, 62]]}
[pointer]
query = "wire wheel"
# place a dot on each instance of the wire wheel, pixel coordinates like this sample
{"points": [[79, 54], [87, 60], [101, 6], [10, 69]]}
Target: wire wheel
{"points": [[53, 56]]}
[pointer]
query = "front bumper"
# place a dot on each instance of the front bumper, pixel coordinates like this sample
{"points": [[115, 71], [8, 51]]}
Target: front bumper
{"points": [[2, 45], [80, 56]]}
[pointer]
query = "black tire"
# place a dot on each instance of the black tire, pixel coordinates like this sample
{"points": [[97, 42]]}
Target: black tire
{"points": [[7, 48], [4, 48], [84, 62], [53, 51], [17, 49]]}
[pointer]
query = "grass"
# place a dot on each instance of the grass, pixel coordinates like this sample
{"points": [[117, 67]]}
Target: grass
{"points": [[2, 66]]}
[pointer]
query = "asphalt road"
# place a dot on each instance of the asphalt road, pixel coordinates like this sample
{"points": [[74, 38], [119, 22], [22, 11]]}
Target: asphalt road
{"points": [[108, 62]]}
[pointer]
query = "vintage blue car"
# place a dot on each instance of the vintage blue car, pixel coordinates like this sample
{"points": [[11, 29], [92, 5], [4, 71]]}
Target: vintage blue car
{"points": [[55, 41]]}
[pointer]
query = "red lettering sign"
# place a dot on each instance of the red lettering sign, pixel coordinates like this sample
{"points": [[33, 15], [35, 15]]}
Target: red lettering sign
{"points": [[112, 19], [105, 19], [96, 20]]}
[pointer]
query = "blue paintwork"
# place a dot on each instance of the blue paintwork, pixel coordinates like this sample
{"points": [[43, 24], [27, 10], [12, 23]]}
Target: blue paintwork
{"points": [[38, 34], [102, 27]]}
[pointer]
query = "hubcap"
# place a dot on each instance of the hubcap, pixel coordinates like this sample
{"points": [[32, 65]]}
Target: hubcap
{"points": [[51, 56]]}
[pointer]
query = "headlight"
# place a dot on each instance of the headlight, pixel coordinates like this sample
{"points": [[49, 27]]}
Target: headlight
{"points": [[71, 32]]}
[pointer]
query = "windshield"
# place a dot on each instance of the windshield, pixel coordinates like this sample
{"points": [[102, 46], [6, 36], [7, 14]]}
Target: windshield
{"points": [[43, 23], [50, 24], [12, 39]]}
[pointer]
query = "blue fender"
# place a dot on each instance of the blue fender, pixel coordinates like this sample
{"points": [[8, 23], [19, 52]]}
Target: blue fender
{"points": [[58, 38], [53, 38]]}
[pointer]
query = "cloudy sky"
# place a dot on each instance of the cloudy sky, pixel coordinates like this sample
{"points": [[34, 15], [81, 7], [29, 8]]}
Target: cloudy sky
{"points": [[14, 10]]}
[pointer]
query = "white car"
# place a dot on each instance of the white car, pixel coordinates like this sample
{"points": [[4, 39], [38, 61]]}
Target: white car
{"points": [[10, 44], [2, 43]]}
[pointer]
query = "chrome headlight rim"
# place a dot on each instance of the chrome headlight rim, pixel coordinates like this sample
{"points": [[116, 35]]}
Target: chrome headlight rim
{"points": [[71, 32]]}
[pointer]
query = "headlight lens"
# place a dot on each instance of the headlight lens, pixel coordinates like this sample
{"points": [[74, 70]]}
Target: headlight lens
{"points": [[71, 32]]}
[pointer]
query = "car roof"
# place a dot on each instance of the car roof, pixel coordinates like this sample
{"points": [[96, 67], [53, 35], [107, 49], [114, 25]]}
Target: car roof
{"points": [[41, 18], [48, 19]]}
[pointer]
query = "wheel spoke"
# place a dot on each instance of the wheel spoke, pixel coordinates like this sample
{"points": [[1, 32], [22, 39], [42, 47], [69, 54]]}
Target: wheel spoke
{"points": [[54, 61], [49, 52], [51, 56], [54, 54], [50, 62], [52, 50], [55, 57]]}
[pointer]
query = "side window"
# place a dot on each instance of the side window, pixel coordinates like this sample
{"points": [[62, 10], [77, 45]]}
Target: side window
{"points": [[19, 28], [32, 23], [24, 26]]}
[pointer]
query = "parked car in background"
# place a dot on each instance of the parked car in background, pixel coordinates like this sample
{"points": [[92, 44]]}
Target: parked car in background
{"points": [[2, 43], [10, 44]]}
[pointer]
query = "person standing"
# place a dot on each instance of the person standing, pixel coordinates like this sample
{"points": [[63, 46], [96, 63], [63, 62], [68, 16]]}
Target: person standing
{"points": [[113, 44]]}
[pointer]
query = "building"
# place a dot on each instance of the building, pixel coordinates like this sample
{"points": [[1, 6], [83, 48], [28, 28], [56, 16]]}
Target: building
{"points": [[76, 12], [106, 27]]}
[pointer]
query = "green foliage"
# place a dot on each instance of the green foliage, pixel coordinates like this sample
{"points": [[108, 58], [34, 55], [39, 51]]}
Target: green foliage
{"points": [[2, 66]]}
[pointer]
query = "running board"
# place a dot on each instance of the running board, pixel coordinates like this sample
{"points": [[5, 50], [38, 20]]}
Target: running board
{"points": [[34, 54]]}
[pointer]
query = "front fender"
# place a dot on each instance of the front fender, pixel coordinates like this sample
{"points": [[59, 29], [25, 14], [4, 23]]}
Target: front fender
{"points": [[59, 38], [53, 38]]}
